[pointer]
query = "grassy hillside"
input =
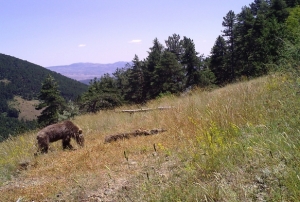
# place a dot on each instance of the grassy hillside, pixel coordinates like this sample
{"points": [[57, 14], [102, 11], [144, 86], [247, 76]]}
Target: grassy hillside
{"points": [[237, 143]]}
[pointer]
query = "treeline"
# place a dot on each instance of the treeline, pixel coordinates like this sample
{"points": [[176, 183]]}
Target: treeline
{"points": [[252, 43]]}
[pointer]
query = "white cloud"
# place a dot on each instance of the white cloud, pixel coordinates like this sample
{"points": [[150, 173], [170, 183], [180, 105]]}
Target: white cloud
{"points": [[81, 45], [135, 41]]}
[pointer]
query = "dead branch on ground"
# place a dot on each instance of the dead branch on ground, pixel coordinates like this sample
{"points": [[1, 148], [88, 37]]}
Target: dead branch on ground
{"points": [[131, 111], [139, 132]]}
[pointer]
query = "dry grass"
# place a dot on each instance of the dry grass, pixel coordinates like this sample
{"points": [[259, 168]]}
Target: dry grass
{"points": [[26, 108], [5, 81], [223, 145]]}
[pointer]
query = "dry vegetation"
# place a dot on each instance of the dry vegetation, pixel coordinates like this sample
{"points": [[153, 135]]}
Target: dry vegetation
{"points": [[238, 143], [26, 108], [5, 81]]}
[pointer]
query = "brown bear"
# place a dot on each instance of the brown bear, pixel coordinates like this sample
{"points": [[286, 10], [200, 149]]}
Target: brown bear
{"points": [[61, 131]]}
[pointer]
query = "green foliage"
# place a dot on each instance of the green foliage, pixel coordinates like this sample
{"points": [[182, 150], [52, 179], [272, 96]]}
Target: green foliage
{"points": [[70, 111], [175, 45], [168, 75], [190, 61], [218, 62], [293, 24], [101, 94], [50, 101], [151, 62], [290, 53], [229, 22], [135, 87]]}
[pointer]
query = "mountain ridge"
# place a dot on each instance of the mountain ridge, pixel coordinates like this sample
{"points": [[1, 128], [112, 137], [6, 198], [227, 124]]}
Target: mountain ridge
{"points": [[86, 70]]}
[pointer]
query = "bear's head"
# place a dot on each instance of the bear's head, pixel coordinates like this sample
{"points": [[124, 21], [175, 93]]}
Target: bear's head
{"points": [[79, 137]]}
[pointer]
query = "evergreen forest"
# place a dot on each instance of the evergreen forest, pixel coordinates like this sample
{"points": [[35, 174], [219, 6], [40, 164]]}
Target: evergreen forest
{"points": [[22, 78]]}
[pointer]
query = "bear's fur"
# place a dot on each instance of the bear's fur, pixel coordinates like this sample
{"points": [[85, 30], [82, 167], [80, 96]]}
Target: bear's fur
{"points": [[61, 131]]}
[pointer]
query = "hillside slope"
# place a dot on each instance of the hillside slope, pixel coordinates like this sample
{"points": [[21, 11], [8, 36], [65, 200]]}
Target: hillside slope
{"points": [[237, 143], [20, 84], [23, 78]]}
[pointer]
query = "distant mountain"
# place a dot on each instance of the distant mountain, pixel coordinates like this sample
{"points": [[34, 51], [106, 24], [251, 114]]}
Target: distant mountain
{"points": [[86, 71]]}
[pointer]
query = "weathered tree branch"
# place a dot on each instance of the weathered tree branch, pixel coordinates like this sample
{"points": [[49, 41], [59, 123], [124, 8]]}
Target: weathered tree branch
{"points": [[139, 132], [131, 111]]}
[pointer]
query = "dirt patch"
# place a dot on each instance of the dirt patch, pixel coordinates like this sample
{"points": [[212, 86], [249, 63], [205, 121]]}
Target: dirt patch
{"points": [[5, 81]]}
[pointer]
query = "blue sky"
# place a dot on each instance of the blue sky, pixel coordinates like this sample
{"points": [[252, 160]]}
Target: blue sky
{"points": [[62, 32]]}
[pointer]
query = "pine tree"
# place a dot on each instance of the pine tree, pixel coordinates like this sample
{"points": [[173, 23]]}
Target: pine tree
{"points": [[190, 61], [136, 82], [168, 75], [122, 79], [218, 61], [51, 102], [279, 10], [152, 61], [174, 45], [229, 22], [245, 43]]}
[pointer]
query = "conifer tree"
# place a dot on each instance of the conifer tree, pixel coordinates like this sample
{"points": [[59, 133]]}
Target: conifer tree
{"points": [[190, 61], [122, 79], [218, 62], [168, 75], [51, 102], [245, 43], [228, 23], [174, 45], [152, 61], [136, 85]]}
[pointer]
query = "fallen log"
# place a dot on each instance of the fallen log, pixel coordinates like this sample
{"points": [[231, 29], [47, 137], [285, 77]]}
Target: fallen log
{"points": [[139, 132], [131, 111]]}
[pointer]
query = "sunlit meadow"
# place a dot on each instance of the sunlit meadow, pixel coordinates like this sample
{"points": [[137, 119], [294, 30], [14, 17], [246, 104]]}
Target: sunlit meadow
{"points": [[236, 143]]}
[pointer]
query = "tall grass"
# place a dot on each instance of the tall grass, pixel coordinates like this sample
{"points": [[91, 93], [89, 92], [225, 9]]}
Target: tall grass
{"points": [[245, 145], [238, 143]]}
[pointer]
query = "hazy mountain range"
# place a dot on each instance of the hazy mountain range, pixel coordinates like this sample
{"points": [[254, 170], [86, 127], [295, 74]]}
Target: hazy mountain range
{"points": [[86, 71]]}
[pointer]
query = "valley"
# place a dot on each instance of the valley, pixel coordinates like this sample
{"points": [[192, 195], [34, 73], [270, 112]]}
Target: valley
{"points": [[87, 71]]}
